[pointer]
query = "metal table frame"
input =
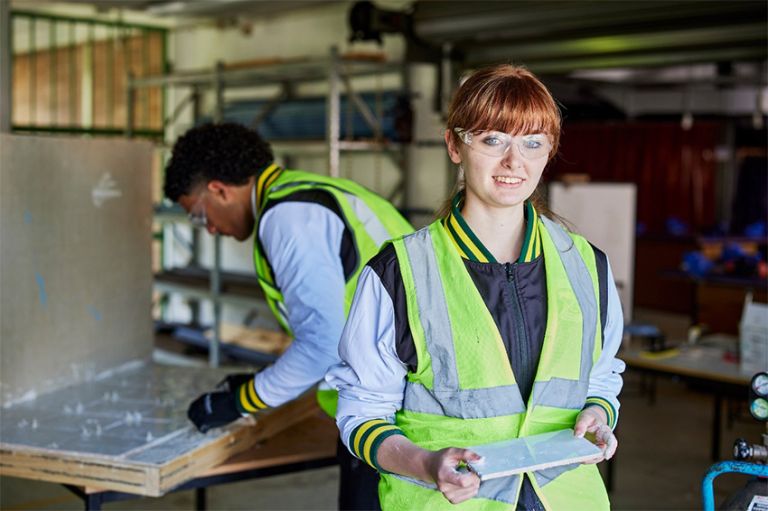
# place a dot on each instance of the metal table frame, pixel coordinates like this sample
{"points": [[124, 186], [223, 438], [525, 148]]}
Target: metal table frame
{"points": [[94, 501]]}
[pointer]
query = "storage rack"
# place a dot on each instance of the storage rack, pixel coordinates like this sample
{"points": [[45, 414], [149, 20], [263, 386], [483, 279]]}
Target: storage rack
{"points": [[338, 72]]}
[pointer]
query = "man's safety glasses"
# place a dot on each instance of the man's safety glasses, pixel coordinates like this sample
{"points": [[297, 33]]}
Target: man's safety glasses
{"points": [[197, 216], [496, 143]]}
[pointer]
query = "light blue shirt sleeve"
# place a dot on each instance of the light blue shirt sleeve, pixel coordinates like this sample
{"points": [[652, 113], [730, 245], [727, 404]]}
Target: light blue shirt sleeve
{"points": [[371, 377], [605, 380], [302, 242]]}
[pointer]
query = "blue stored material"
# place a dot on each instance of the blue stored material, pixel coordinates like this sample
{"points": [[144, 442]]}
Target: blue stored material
{"points": [[755, 230], [738, 467], [676, 227], [306, 118], [696, 264], [642, 330]]}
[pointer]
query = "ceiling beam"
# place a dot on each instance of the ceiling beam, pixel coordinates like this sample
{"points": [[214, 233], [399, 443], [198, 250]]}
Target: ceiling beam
{"points": [[650, 59], [462, 21], [602, 47]]}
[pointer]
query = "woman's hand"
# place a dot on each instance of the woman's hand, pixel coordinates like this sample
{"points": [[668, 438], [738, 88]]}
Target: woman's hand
{"points": [[399, 455], [593, 422], [457, 486]]}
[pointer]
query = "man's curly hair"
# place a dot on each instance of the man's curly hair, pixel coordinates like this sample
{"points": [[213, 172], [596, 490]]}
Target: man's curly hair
{"points": [[227, 152]]}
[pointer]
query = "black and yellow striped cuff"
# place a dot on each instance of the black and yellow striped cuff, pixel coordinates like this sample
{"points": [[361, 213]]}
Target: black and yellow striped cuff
{"points": [[367, 437], [248, 401], [606, 405]]}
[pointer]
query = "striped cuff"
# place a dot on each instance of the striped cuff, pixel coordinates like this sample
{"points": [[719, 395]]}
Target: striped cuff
{"points": [[367, 437], [248, 401], [606, 405]]}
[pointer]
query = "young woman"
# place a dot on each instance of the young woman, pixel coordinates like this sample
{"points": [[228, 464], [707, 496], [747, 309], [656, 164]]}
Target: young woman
{"points": [[492, 323]]}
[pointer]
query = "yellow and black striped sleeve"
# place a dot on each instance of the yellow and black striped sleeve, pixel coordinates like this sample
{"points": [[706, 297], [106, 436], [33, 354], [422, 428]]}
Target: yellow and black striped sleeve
{"points": [[606, 405], [248, 401], [367, 437]]}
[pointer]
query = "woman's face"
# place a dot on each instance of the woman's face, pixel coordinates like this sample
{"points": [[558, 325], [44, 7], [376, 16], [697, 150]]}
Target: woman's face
{"points": [[498, 181]]}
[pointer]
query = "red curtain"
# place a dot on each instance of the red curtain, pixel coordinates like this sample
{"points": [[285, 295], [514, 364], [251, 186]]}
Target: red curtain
{"points": [[674, 169]]}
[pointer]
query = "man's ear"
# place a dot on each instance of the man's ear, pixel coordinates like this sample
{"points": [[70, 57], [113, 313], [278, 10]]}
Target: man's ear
{"points": [[450, 143], [219, 189]]}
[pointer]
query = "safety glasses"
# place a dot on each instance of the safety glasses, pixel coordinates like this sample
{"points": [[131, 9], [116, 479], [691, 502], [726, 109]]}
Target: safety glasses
{"points": [[197, 216], [496, 143]]}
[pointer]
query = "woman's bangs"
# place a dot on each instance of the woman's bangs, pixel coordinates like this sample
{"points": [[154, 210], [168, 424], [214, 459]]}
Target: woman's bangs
{"points": [[517, 112]]}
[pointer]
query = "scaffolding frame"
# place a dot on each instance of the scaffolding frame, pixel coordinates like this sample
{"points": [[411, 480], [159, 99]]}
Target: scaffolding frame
{"points": [[119, 33], [334, 70]]}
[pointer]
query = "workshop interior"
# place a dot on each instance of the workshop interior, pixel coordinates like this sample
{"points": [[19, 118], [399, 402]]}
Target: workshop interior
{"points": [[121, 303]]}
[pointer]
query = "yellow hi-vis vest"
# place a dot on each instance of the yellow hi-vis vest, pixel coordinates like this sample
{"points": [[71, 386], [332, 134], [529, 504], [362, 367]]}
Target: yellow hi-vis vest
{"points": [[463, 391], [369, 218]]}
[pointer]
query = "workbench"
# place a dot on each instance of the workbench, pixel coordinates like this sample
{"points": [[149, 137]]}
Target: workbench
{"points": [[704, 365], [127, 431], [310, 444]]}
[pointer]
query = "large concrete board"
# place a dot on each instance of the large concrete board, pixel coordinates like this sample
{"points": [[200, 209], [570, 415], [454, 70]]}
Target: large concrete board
{"points": [[127, 430], [75, 271]]}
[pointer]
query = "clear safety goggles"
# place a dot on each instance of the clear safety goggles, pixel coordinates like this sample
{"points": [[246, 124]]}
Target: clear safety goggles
{"points": [[496, 143], [196, 215]]}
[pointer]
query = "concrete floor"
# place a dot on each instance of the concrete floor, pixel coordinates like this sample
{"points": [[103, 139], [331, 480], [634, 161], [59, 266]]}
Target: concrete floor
{"points": [[663, 455]]}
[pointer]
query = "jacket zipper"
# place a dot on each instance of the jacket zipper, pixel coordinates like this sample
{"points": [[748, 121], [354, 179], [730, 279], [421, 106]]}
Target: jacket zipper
{"points": [[523, 353]]}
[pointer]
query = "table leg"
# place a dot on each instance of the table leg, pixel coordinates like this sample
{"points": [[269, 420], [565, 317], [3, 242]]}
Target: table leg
{"points": [[200, 499], [716, 420], [93, 502]]}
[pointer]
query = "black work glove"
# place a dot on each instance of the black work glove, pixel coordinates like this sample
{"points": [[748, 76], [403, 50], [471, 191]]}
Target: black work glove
{"points": [[213, 410], [233, 382]]}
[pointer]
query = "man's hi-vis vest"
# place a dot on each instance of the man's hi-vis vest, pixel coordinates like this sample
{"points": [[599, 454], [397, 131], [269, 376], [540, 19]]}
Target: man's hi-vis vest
{"points": [[369, 218], [463, 391]]}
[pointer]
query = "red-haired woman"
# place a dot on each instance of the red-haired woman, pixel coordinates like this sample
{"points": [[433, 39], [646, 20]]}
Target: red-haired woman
{"points": [[492, 323]]}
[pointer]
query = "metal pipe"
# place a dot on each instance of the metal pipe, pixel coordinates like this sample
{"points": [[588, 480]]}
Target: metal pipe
{"points": [[53, 72], [178, 109], [164, 69], [267, 109], [334, 113], [278, 73], [6, 66], [32, 61], [368, 116], [218, 91], [76, 19], [739, 467], [86, 102], [72, 82], [145, 94], [130, 96], [109, 51], [215, 345]]}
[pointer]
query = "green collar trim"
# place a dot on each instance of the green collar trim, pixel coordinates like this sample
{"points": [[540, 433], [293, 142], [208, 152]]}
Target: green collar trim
{"points": [[469, 245]]}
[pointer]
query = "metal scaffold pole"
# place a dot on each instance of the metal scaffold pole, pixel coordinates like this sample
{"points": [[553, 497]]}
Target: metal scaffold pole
{"points": [[215, 344], [6, 67], [334, 114]]}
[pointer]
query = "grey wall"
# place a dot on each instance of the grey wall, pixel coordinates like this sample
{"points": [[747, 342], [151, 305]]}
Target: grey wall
{"points": [[75, 274]]}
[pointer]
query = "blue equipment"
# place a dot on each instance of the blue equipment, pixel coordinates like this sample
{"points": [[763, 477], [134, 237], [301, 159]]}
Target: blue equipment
{"points": [[723, 467]]}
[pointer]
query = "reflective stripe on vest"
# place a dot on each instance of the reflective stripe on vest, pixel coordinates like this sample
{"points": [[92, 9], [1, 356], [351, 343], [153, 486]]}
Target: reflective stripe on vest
{"points": [[493, 401]]}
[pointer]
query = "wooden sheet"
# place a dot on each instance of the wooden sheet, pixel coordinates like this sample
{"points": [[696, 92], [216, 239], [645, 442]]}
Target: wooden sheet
{"points": [[128, 431], [256, 339]]}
